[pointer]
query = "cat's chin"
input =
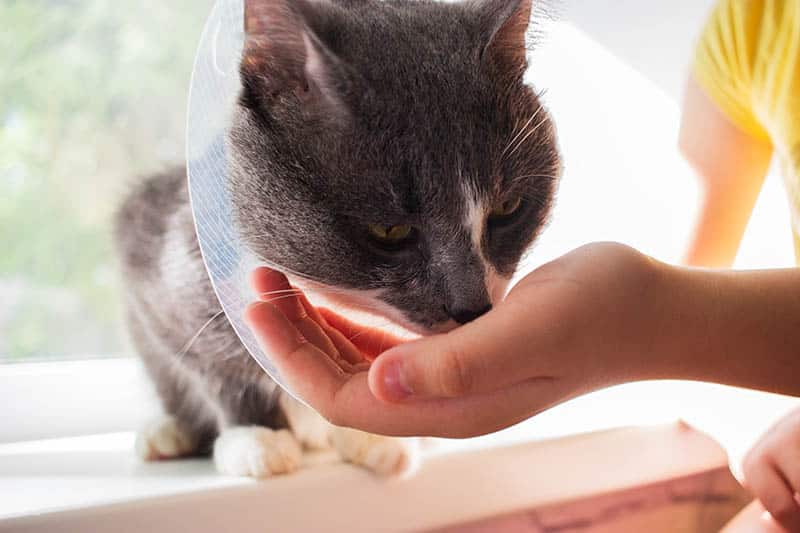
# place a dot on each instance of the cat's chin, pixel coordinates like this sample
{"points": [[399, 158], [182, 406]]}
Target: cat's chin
{"points": [[419, 330], [368, 303], [443, 327]]}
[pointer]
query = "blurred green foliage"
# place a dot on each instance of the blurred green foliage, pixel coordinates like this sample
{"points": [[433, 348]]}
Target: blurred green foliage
{"points": [[92, 95]]}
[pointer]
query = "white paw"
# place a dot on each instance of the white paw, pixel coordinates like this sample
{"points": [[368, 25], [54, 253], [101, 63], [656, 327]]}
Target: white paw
{"points": [[384, 456], [308, 426], [163, 438], [256, 451]]}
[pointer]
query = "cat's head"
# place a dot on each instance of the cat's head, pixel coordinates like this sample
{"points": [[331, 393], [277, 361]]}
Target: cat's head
{"points": [[391, 149]]}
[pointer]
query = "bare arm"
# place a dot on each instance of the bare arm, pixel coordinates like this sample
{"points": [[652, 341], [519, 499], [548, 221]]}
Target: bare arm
{"points": [[733, 327], [601, 315], [731, 165]]}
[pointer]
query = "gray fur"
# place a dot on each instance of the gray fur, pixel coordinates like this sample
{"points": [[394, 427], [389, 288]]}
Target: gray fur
{"points": [[352, 112]]}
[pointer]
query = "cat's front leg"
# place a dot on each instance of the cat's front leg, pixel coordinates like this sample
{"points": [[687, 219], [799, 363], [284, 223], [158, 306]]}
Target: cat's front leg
{"points": [[385, 456], [308, 426], [164, 438], [256, 451], [381, 455]]}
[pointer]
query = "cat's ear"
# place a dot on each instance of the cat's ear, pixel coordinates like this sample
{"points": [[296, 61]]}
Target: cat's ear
{"points": [[504, 27], [283, 55]]}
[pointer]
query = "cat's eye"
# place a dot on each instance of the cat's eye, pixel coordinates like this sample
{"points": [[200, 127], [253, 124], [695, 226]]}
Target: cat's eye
{"points": [[390, 235], [506, 208]]}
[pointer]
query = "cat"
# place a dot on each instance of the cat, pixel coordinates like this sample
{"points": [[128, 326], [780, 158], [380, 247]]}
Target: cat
{"points": [[389, 150]]}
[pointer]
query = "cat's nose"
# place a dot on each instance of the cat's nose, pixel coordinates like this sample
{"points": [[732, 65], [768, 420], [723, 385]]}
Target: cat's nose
{"points": [[462, 316]]}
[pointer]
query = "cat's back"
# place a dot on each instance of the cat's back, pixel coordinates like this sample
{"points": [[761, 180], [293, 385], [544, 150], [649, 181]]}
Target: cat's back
{"points": [[147, 216]]}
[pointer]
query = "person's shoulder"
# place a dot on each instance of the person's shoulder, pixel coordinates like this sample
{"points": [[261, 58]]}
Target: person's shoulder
{"points": [[730, 50], [750, 25]]}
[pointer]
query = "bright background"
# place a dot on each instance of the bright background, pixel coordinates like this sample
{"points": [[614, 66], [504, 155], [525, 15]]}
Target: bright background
{"points": [[92, 94]]}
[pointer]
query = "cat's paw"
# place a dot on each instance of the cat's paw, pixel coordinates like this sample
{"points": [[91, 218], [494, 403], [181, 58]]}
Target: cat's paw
{"points": [[308, 426], [256, 451], [163, 438], [385, 456]]}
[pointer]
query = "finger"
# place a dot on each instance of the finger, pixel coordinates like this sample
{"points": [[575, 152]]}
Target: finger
{"points": [[772, 489], [488, 354], [344, 349], [272, 286], [369, 340], [312, 311], [787, 462], [751, 519], [348, 351], [266, 281], [306, 370], [346, 400], [353, 405]]}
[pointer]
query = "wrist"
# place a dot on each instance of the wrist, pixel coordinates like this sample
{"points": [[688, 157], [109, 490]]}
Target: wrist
{"points": [[669, 324], [648, 304], [622, 339], [688, 324]]}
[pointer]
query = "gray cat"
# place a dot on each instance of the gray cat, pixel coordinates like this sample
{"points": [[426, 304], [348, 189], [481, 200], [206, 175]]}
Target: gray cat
{"points": [[385, 149]]}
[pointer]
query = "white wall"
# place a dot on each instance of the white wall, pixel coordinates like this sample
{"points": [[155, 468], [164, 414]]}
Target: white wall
{"points": [[656, 37]]}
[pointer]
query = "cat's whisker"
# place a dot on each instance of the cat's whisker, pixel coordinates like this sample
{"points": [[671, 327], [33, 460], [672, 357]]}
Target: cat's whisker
{"points": [[531, 132], [282, 269], [307, 290], [282, 291], [183, 351], [371, 327], [333, 290], [525, 176], [539, 95], [270, 300], [520, 132], [518, 179], [289, 293]]}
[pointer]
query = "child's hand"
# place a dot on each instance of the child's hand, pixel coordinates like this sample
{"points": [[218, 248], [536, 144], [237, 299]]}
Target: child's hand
{"points": [[772, 471], [601, 315], [574, 325], [297, 320]]}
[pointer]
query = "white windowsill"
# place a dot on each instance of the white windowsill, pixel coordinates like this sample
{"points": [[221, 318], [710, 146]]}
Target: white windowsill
{"points": [[93, 397], [95, 483], [73, 398]]}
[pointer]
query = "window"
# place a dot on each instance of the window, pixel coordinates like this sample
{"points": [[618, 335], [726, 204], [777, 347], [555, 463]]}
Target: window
{"points": [[92, 94]]}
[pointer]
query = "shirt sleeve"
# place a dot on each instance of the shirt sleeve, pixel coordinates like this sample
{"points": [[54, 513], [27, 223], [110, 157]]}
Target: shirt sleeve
{"points": [[724, 63]]}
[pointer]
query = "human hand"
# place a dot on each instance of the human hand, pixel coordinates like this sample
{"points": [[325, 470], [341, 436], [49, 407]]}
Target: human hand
{"points": [[572, 326], [772, 471]]}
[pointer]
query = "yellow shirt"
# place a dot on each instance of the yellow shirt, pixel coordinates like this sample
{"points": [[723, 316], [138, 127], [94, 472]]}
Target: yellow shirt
{"points": [[748, 62]]}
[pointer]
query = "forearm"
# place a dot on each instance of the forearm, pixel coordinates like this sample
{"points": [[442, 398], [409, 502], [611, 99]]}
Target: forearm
{"points": [[720, 226], [737, 328], [731, 165]]}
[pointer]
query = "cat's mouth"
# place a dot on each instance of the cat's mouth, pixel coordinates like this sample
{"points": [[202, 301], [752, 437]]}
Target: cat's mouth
{"points": [[373, 311], [367, 304], [370, 308]]}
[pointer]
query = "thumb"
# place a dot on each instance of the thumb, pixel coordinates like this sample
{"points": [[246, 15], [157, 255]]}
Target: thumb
{"points": [[482, 356]]}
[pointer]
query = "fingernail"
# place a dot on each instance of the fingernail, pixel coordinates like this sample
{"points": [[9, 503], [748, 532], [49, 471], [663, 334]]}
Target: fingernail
{"points": [[395, 385]]}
